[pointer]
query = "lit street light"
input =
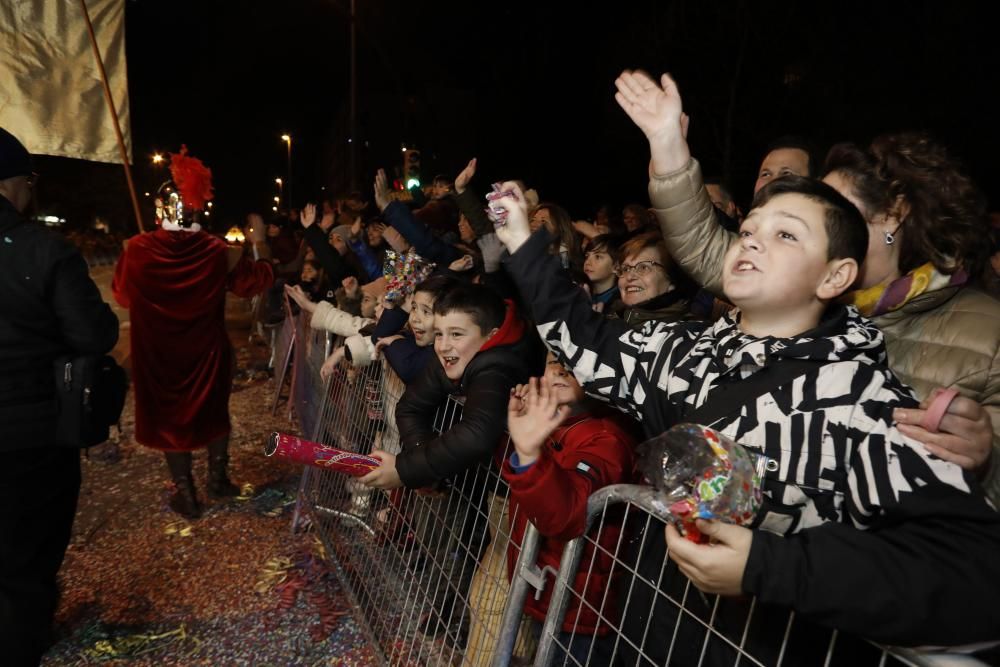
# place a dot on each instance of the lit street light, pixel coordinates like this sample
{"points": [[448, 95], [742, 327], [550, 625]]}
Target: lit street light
{"points": [[157, 158], [287, 138]]}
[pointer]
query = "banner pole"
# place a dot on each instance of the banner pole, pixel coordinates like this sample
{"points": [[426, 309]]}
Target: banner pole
{"points": [[114, 116]]}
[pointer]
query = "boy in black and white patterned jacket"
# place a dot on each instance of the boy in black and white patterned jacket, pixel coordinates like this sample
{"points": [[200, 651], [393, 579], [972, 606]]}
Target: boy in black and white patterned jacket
{"points": [[862, 528]]}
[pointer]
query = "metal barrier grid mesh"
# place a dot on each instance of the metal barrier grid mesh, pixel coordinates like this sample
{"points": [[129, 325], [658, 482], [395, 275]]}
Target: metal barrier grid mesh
{"points": [[427, 569], [668, 620]]}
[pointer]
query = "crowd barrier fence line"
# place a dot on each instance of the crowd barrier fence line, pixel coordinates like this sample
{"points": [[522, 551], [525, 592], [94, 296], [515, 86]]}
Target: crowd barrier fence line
{"points": [[426, 570]]}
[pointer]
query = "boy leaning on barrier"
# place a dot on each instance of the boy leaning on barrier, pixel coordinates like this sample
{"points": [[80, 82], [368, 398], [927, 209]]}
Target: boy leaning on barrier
{"points": [[483, 349], [861, 529], [564, 452]]}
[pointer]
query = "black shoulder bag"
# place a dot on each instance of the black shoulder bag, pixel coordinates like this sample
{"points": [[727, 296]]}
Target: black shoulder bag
{"points": [[90, 390]]}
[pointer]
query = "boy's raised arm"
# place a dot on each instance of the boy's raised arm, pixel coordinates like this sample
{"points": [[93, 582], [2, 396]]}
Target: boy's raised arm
{"points": [[586, 342], [676, 187]]}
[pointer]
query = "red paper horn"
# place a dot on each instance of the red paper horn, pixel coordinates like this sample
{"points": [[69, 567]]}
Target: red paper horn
{"points": [[293, 448]]}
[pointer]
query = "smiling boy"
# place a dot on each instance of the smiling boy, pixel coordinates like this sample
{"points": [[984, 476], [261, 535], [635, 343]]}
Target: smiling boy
{"points": [[482, 352], [850, 502]]}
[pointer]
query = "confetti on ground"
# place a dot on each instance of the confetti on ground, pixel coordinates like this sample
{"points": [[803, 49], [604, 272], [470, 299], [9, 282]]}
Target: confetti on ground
{"points": [[142, 586]]}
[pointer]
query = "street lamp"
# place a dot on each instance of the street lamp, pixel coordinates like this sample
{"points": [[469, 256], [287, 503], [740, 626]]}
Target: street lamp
{"points": [[287, 138], [157, 158]]}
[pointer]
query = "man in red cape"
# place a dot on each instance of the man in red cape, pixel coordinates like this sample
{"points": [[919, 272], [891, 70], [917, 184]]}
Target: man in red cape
{"points": [[173, 281]]}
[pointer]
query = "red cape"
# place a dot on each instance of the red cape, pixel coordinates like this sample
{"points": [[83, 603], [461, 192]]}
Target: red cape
{"points": [[174, 285]]}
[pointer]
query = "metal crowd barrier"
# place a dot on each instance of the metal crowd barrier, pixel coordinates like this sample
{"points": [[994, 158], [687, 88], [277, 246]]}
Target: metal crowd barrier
{"points": [[655, 616], [427, 569]]}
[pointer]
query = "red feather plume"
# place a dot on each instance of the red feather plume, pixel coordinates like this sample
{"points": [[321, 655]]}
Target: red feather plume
{"points": [[192, 178]]}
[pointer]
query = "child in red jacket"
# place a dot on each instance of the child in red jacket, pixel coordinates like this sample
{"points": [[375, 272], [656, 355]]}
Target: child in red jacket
{"points": [[564, 452]]}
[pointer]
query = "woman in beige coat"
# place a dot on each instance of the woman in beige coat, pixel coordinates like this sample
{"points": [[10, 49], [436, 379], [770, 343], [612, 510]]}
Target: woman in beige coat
{"points": [[927, 229]]}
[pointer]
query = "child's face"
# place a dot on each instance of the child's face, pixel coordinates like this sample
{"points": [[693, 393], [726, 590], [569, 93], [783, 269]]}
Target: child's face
{"points": [[368, 304], [457, 339], [647, 280], [374, 234], [780, 260], [568, 390], [422, 318], [598, 265], [309, 273]]}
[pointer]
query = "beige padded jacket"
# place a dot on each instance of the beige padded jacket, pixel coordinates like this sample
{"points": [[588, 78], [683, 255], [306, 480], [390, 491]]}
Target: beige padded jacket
{"points": [[950, 337]]}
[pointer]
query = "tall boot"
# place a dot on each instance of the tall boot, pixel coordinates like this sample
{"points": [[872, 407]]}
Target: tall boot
{"points": [[219, 485], [184, 500]]}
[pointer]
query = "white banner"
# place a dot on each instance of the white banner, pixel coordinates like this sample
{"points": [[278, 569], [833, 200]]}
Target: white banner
{"points": [[51, 94]]}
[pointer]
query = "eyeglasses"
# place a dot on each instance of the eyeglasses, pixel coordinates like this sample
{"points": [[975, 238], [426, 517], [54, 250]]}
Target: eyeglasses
{"points": [[640, 269], [31, 179]]}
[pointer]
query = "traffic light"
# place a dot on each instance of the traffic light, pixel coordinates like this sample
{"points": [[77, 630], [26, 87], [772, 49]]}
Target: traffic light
{"points": [[411, 168]]}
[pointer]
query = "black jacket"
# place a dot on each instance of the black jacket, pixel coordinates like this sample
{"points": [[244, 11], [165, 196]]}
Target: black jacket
{"points": [[429, 457], [49, 307]]}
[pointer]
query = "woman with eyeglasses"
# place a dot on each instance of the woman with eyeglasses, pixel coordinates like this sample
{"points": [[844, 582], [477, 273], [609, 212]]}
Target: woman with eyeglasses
{"points": [[649, 284]]}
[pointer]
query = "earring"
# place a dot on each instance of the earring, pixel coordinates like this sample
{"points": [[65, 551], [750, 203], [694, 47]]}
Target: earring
{"points": [[889, 238]]}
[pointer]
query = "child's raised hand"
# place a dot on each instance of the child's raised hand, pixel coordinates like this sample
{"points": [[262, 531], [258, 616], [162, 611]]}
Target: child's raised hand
{"points": [[464, 176], [308, 215], [300, 298], [532, 416], [657, 110], [350, 285], [383, 196], [515, 230]]}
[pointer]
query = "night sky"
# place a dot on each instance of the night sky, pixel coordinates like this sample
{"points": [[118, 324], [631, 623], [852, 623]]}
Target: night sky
{"points": [[528, 89]]}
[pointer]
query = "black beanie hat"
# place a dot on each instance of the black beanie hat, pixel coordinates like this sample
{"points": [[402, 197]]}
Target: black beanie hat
{"points": [[14, 157]]}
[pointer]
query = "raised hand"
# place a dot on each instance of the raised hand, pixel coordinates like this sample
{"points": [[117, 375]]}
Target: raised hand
{"points": [[350, 285], [464, 176], [300, 298], [492, 250], [515, 230], [326, 222], [657, 110], [382, 192], [395, 240], [356, 227], [586, 229], [533, 417], [308, 215]]}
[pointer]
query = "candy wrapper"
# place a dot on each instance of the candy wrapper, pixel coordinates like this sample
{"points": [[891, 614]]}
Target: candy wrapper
{"points": [[403, 272], [703, 475], [498, 214], [292, 448]]}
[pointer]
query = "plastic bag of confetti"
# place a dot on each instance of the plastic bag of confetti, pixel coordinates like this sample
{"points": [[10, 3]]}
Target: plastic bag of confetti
{"points": [[702, 475]]}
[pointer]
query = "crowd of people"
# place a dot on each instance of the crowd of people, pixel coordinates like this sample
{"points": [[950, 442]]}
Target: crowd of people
{"points": [[820, 329], [863, 281]]}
